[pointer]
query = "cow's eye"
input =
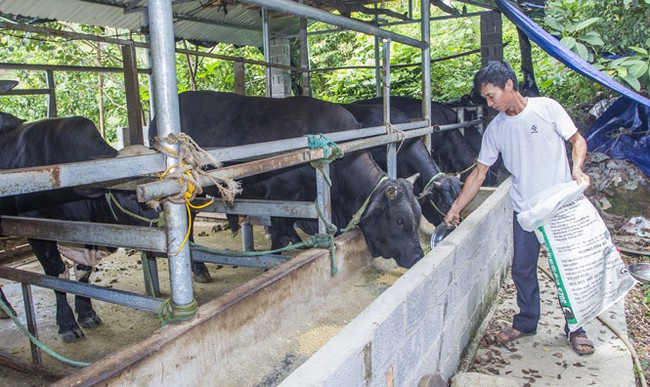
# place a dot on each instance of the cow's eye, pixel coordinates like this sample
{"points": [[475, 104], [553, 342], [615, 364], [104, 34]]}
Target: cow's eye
{"points": [[400, 222]]}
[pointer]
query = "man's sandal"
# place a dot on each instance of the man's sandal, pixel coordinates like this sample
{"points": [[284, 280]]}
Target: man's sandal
{"points": [[509, 334], [579, 341]]}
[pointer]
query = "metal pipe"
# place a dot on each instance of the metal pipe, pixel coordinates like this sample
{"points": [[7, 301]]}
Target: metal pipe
{"points": [[267, 51], [168, 119], [47, 177], [304, 57], [442, 128], [160, 189], [290, 209], [21, 181], [102, 234], [115, 296], [294, 8], [391, 151], [81, 69], [425, 30]]}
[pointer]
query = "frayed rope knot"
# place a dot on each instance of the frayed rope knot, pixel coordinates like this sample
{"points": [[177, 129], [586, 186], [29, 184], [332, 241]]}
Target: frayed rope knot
{"points": [[192, 162]]}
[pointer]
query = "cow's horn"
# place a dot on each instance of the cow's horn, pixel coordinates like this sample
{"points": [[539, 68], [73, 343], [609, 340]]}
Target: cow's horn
{"points": [[413, 178], [391, 192]]}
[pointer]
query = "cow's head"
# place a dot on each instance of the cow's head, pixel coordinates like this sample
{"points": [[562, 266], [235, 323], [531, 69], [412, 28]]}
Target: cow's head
{"points": [[390, 225], [436, 199]]}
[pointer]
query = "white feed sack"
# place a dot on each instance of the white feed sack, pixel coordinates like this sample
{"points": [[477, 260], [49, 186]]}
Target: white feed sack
{"points": [[588, 270]]}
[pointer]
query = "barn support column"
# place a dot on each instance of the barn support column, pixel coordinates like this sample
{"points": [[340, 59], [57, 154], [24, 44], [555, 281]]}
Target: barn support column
{"points": [[51, 96], [491, 37], [267, 50], [168, 118], [425, 31], [280, 78], [133, 107], [239, 70], [391, 151], [528, 86], [304, 57]]}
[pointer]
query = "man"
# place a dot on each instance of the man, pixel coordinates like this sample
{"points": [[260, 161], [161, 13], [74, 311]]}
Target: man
{"points": [[530, 135]]}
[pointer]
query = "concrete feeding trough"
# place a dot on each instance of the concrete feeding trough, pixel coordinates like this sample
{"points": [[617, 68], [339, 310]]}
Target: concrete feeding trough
{"points": [[420, 325]]}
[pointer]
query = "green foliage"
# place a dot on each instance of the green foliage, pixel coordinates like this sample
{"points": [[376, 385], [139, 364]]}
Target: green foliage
{"points": [[589, 28], [565, 19], [594, 29]]}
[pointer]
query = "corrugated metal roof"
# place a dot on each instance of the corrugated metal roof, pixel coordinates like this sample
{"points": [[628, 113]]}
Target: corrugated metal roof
{"points": [[209, 21]]}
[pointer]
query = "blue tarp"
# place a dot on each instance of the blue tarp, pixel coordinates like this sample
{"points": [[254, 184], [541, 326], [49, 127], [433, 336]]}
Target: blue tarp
{"points": [[560, 52], [623, 132]]}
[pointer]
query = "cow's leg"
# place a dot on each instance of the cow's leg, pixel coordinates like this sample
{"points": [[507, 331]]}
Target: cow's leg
{"points": [[199, 269], [283, 233], [49, 257], [86, 315]]}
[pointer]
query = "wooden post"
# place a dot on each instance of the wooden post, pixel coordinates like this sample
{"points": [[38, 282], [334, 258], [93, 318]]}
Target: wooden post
{"points": [[133, 106], [240, 77]]}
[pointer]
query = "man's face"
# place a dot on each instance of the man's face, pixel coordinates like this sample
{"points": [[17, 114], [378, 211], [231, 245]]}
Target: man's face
{"points": [[497, 98]]}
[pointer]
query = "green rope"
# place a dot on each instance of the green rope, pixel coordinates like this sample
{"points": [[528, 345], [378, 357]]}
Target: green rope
{"points": [[37, 342], [111, 199], [331, 230], [331, 152], [357, 215], [234, 253], [323, 241], [170, 312]]}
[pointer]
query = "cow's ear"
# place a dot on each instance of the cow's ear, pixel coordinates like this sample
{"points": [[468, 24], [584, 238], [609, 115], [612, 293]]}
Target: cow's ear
{"points": [[374, 209], [89, 192]]}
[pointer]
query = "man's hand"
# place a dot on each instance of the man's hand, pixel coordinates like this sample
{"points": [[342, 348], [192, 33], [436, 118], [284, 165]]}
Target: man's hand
{"points": [[469, 191], [453, 217], [580, 176]]}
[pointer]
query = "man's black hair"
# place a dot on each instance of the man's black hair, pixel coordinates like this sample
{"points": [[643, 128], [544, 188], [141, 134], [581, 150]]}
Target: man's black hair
{"points": [[496, 72]]}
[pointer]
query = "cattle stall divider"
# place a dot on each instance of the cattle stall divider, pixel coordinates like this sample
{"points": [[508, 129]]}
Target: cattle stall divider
{"points": [[48, 177]]}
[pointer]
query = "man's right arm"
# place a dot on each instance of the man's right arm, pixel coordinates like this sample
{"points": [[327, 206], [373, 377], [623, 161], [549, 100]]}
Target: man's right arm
{"points": [[470, 188]]}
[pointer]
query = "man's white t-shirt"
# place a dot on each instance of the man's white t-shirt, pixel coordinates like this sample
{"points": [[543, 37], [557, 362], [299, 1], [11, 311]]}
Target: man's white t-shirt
{"points": [[532, 145]]}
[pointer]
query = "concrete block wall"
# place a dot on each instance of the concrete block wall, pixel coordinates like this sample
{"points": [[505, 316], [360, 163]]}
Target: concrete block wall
{"points": [[423, 323], [280, 52]]}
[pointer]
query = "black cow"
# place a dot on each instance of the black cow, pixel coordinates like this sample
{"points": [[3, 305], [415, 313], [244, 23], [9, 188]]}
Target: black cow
{"points": [[472, 134], [436, 191], [451, 150], [56, 141], [390, 221]]}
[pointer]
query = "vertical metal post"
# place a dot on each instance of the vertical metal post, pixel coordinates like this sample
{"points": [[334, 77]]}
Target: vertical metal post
{"points": [[168, 120], [323, 197], [51, 97], [31, 322], [150, 273], [247, 240], [267, 50], [304, 57], [426, 67], [377, 61], [391, 154]]}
